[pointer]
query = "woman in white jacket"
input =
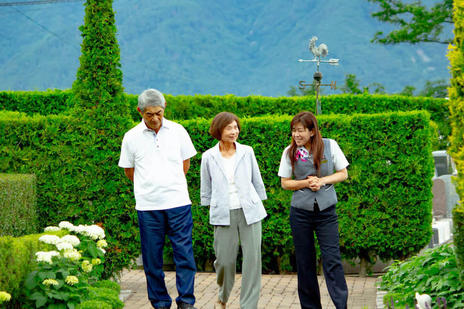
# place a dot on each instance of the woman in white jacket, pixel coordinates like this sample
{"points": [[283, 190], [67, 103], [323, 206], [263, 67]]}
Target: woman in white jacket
{"points": [[232, 186]]}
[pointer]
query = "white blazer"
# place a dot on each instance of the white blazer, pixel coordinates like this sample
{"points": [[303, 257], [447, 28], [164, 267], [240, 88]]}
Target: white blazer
{"points": [[214, 189]]}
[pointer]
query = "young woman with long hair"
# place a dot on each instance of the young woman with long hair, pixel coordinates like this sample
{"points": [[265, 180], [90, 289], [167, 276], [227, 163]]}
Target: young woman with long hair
{"points": [[310, 166]]}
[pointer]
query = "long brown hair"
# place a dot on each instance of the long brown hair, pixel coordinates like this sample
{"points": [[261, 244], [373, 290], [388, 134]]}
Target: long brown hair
{"points": [[309, 121]]}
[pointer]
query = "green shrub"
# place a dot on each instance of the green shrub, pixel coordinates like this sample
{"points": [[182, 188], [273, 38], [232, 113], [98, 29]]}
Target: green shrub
{"points": [[42, 102], [108, 284], [384, 208], [434, 273], [94, 304], [206, 106], [456, 105], [17, 259], [17, 204], [108, 295]]}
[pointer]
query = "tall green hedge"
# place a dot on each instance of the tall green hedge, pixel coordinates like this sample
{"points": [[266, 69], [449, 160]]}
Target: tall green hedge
{"points": [[456, 57], [384, 209], [17, 204], [206, 106]]}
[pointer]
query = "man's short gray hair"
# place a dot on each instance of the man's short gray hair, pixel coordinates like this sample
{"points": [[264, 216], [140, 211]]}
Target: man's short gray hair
{"points": [[151, 97]]}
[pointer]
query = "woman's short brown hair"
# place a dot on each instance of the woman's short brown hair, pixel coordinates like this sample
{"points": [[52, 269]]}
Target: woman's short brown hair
{"points": [[221, 121]]}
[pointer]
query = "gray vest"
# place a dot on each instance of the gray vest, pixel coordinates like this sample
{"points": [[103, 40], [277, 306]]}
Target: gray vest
{"points": [[326, 196]]}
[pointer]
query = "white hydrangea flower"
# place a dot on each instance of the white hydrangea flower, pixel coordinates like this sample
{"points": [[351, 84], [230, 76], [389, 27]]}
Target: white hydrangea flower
{"points": [[4, 296], [71, 239], [66, 225], [78, 229], [46, 256], [102, 250], [49, 282], [64, 246], [73, 255], [51, 229], [94, 231], [86, 266], [102, 243], [71, 280], [50, 239], [96, 261]]}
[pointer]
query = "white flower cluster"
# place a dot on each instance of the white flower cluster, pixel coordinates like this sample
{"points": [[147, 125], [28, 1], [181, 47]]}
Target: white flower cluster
{"points": [[46, 256], [67, 242], [93, 231], [65, 225], [70, 239], [50, 239], [51, 229], [64, 246], [73, 255], [4, 296]]}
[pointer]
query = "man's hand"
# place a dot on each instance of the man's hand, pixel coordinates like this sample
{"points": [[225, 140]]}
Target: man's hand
{"points": [[129, 173]]}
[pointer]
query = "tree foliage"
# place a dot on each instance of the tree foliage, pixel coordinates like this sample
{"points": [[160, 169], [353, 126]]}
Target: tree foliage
{"points": [[456, 107], [416, 22], [99, 77], [103, 117]]}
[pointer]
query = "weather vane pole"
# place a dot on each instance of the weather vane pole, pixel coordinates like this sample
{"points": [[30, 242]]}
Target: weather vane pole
{"points": [[319, 52]]}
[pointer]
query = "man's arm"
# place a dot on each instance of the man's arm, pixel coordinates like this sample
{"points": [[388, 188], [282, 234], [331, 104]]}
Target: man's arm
{"points": [[129, 173], [186, 166]]}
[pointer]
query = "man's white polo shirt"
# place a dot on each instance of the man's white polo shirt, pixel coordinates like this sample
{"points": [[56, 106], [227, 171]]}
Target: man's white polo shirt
{"points": [[157, 159]]}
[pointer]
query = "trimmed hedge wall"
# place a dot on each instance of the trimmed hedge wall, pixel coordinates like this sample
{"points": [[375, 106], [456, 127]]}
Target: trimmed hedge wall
{"points": [[50, 102], [384, 208], [456, 91], [17, 205], [207, 106]]}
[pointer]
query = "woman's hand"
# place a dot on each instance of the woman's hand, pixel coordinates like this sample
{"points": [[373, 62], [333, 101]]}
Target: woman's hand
{"points": [[315, 183]]}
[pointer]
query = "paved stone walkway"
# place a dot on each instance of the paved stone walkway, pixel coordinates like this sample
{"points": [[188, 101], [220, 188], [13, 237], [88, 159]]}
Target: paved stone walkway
{"points": [[278, 291]]}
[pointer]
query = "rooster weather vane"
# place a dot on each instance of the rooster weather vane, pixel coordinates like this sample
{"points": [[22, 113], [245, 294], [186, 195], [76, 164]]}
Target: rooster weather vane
{"points": [[319, 52]]}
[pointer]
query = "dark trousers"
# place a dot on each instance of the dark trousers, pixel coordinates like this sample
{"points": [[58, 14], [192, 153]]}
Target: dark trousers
{"points": [[154, 226], [325, 224]]}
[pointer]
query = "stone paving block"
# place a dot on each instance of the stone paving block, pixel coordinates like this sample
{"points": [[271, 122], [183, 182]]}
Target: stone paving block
{"points": [[278, 291]]}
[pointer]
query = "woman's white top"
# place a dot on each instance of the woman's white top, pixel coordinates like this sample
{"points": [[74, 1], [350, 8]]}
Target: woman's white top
{"points": [[234, 201]]}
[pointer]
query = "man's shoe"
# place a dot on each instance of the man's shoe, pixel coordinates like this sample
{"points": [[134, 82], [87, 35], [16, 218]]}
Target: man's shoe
{"points": [[185, 306], [219, 305]]}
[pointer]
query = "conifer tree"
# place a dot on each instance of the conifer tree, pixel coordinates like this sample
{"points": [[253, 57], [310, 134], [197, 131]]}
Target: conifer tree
{"points": [[102, 117], [99, 77]]}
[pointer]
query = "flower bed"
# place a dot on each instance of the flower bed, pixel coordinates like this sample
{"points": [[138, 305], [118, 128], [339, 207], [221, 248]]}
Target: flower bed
{"points": [[69, 275]]}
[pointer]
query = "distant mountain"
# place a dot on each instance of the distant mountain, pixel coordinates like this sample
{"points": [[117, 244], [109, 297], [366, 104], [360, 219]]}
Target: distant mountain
{"points": [[240, 47]]}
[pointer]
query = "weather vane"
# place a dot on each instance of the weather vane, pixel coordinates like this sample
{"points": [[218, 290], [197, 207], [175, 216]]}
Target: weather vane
{"points": [[319, 52]]}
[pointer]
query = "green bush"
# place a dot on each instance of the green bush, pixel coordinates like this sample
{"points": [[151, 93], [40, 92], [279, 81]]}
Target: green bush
{"points": [[17, 204], [206, 106], [50, 102], [17, 259], [94, 304], [456, 105], [384, 208], [108, 284], [434, 273], [107, 295]]}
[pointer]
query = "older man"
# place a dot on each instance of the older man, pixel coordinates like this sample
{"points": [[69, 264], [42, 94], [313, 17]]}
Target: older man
{"points": [[155, 155]]}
